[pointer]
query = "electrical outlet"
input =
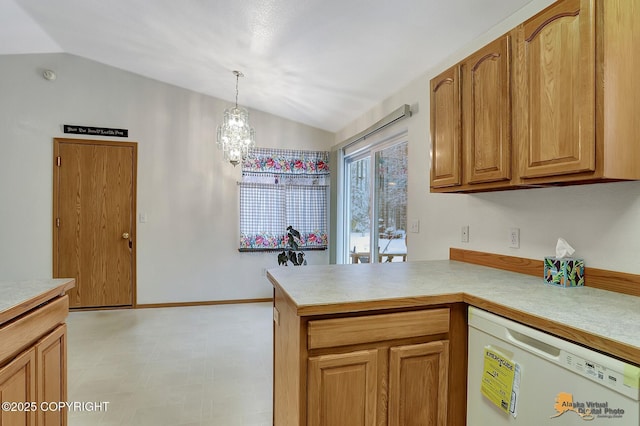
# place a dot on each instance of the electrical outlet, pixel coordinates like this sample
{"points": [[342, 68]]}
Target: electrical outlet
{"points": [[514, 237], [414, 226], [464, 234]]}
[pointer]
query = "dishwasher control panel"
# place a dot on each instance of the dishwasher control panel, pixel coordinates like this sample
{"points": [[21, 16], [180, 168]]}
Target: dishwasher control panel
{"points": [[626, 382]]}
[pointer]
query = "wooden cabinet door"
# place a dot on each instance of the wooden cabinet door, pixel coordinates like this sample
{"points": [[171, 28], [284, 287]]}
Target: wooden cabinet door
{"points": [[18, 385], [486, 101], [418, 384], [51, 366], [446, 136], [342, 389], [556, 90]]}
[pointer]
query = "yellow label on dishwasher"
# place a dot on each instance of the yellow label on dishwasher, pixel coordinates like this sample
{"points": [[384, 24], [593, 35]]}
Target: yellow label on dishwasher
{"points": [[632, 376], [497, 378]]}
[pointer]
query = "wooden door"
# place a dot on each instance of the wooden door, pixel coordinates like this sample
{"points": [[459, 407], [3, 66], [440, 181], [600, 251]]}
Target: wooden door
{"points": [[418, 384], [486, 101], [445, 129], [18, 385], [342, 389], [51, 367], [94, 221], [557, 90]]}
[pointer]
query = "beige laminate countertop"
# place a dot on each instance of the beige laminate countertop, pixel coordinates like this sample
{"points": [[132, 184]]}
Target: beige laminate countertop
{"points": [[18, 297], [600, 319]]}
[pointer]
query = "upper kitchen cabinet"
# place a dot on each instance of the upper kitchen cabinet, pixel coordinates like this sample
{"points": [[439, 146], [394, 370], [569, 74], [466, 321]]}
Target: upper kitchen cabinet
{"points": [[556, 90], [576, 96], [446, 132], [555, 101], [471, 122], [486, 112]]}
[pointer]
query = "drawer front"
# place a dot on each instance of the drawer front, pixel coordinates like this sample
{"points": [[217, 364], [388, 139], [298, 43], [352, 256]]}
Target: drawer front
{"points": [[27, 329], [376, 328]]}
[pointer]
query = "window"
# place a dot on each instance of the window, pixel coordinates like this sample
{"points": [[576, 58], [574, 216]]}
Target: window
{"points": [[375, 201], [283, 188]]}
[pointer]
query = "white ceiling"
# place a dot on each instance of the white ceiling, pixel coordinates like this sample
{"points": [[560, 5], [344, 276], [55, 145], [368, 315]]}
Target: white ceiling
{"points": [[319, 62]]}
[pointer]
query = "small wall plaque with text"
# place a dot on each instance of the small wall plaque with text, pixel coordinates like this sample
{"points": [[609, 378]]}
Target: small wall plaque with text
{"points": [[96, 131]]}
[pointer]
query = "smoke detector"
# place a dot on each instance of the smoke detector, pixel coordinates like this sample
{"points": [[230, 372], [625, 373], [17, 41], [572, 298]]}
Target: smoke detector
{"points": [[49, 75]]}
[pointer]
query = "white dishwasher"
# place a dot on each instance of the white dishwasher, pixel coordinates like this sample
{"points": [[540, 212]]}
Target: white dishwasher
{"points": [[521, 376]]}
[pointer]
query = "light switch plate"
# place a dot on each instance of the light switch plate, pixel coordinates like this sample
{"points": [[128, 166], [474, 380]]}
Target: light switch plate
{"points": [[464, 234]]}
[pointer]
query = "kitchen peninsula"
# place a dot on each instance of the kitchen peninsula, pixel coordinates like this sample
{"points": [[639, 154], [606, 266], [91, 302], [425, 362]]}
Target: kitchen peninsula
{"points": [[392, 338], [33, 351]]}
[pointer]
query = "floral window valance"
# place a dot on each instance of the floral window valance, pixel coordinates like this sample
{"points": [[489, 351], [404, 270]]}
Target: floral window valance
{"points": [[281, 188], [281, 161]]}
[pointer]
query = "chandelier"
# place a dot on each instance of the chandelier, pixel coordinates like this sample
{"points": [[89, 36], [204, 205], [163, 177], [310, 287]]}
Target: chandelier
{"points": [[235, 135]]}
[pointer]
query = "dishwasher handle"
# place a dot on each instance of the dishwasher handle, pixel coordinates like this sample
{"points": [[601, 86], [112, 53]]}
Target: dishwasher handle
{"points": [[533, 345]]}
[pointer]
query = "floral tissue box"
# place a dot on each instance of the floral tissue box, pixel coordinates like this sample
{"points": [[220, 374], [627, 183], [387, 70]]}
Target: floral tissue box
{"points": [[565, 272]]}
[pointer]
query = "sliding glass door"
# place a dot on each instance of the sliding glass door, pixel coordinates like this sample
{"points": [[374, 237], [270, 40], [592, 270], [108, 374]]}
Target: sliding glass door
{"points": [[359, 209], [376, 204], [391, 203]]}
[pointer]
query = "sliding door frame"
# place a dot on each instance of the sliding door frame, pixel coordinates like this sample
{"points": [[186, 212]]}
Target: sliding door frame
{"points": [[368, 148]]}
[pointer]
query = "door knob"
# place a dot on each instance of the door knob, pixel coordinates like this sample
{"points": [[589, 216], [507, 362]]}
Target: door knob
{"points": [[125, 235]]}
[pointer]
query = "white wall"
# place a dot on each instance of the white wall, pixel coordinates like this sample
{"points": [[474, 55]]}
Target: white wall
{"points": [[187, 251], [601, 221]]}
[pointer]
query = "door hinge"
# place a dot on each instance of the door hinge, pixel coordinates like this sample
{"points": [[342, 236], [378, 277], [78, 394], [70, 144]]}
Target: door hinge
{"points": [[58, 161], [57, 221]]}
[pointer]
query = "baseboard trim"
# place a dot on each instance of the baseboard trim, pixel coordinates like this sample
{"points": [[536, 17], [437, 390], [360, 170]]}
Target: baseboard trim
{"points": [[99, 308], [603, 279], [203, 303]]}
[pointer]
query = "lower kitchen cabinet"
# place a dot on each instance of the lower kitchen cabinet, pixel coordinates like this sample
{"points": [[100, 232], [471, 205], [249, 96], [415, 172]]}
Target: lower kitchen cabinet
{"points": [[17, 387], [343, 389], [33, 366], [369, 368], [51, 383], [418, 384], [349, 389]]}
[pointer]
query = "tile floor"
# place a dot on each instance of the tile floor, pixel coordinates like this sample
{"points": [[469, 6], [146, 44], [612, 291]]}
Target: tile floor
{"points": [[205, 365]]}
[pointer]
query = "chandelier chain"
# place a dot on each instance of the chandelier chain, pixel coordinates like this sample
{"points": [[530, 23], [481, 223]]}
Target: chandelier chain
{"points": [[237, 80], [238, 74]]}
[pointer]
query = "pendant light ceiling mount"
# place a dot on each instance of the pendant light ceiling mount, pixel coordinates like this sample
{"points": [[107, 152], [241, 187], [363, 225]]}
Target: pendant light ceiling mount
{"points": [[235, 135]]}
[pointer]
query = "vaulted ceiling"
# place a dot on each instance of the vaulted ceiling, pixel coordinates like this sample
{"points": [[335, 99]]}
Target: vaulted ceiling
{"points": [[319, 62]]}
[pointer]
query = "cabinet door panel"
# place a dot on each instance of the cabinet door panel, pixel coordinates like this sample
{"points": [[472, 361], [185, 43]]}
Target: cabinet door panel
{"points": [[18, 384], [487, 113], [52, 373], [558, 66], [418, 384], [445, 129], [342, 389]]}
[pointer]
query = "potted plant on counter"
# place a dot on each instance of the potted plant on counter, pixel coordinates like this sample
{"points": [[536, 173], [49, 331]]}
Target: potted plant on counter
{"points": [[292, 253]]}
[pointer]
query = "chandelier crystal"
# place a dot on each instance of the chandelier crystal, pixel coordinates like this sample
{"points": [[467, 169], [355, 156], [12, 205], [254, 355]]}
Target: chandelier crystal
{"points": [[235, 136]]}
